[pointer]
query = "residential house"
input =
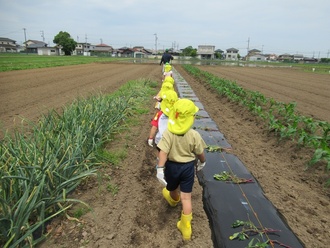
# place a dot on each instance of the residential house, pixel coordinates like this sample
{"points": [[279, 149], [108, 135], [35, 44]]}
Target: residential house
{"points": [[298, 57], [125, 52], [271, 57], [284, 57], [142, 50], [205, 52], [257, 57], [83, 48], [103, 49], [32, 46], [50, 51], [252, 53], [135, 52], [8, 45], [232, 54]]}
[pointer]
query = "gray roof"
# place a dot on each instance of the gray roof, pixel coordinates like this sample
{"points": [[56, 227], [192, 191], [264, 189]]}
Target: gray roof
{"points": [[232, 50], [6, 39]]}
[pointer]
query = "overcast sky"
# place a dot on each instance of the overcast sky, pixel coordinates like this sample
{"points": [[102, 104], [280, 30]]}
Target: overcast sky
{"points": [[271, 26]]}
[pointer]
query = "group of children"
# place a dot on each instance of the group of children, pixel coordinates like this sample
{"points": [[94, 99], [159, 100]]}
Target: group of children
{"points": [[180, 149]]}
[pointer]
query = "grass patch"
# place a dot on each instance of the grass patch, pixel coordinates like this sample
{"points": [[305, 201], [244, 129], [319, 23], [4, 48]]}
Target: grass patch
{"points": [[80, 210], [113, 156]]}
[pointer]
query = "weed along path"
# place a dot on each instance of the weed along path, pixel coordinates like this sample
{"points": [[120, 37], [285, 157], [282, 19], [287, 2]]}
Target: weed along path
{"points": [[128, 209]]}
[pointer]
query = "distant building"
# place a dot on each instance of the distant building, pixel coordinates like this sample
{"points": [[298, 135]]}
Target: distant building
{"points": [[285, 56], [298, 57], [125, 52], [310, 60], [205, 52], [31, 46], [232, 54], [103, 49], [253, 55], [83, 48], [50, 51], [271, 57], [8, 45], [257, 57]]}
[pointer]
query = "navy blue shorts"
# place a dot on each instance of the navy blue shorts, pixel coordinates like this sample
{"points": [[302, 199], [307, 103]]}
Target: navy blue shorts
{"points": [[180, 174]]}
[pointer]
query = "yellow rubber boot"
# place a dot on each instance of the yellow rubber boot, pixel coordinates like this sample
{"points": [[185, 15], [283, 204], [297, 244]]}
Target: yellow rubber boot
{"points": [[184, 225], [169, 199]]}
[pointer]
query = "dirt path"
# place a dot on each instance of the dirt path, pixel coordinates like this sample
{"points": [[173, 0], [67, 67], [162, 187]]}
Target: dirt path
{"points": [[137, 216]]}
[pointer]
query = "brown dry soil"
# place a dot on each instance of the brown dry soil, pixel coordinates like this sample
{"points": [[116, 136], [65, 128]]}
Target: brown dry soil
{"points": [[137, 215]]}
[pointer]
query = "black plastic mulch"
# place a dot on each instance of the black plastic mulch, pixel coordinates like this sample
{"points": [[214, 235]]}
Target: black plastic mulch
{"points": [[225, 201]]}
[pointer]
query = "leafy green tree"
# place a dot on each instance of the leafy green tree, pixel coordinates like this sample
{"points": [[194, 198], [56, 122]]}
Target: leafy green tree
{"points": [[325, 60], [64, 40], [218, 55], [189, 51]]}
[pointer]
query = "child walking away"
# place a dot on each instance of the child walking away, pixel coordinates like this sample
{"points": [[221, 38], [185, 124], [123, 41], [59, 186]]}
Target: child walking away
{"points": [[166, 58], [180, 146], [165, 87], [167, 71], [159, 122]]}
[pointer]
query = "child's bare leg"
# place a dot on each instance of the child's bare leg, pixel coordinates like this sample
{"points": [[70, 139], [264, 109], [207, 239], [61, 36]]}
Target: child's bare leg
{"points": [[175, 194], [186, 203]]}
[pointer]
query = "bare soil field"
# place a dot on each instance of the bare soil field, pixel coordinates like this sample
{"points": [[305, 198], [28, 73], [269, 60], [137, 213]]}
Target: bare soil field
{"points": [[137, 216]]}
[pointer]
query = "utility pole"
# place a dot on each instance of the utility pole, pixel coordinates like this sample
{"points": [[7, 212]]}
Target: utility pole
{"points": [[42, 35], [85, 43], [25, 40], [156, 38], [248, 48]]}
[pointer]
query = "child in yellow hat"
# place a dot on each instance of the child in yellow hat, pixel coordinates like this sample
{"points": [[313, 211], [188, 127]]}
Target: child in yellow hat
{"points": [[180, 146], [166, 85], [159, 122], [167, 71]]}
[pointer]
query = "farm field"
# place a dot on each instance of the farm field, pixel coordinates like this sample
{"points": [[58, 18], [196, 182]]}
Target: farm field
{"points": [[137, 216]]}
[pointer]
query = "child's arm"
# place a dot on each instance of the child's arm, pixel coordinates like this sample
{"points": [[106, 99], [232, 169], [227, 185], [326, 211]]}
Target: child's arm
{"points": [[201, 157], [157, 97], [160, 167], [152, 134], [162, 159], [201, 161]]}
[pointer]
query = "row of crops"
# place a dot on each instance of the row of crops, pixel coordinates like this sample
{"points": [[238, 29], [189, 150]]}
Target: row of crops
{"points": [[280, 118], [39, 170]]}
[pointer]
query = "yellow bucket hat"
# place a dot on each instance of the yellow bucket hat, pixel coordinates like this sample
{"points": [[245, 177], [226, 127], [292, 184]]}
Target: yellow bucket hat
{"points": [[169, 97], [181, 117], [169, 79], [168, 67], [165, 87]]}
